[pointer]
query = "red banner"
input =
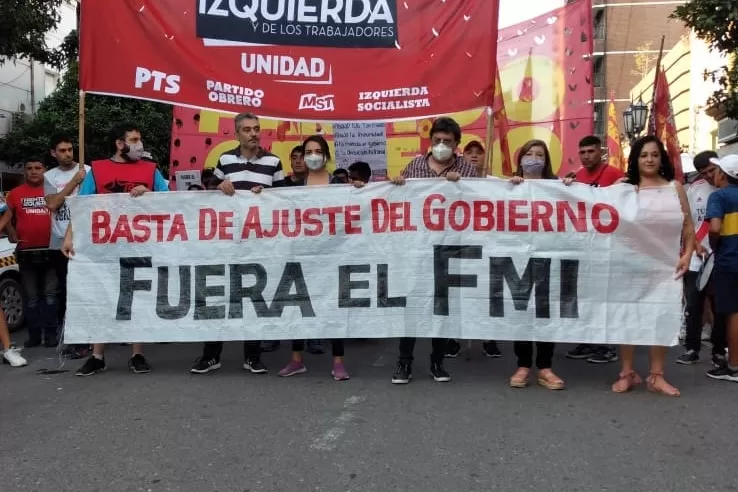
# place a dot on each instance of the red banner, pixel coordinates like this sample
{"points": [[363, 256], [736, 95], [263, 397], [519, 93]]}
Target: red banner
{"points": [[661, 122], [545, 79], [316, 60]]}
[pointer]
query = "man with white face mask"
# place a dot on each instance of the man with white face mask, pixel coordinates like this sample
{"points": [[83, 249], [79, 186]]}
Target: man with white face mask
{"points": [[127, 171], [440, 162]]}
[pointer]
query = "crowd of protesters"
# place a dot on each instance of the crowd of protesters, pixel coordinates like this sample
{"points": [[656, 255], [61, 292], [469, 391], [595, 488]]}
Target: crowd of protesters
{"points": [[36, 217]]}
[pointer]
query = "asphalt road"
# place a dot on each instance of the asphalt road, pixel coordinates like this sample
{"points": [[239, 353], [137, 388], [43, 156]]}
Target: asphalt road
{"points": [[230, 431]]}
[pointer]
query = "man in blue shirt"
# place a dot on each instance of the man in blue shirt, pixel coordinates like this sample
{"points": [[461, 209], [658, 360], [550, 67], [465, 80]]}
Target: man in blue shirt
{"points": [[722, 212], [130, 170]]}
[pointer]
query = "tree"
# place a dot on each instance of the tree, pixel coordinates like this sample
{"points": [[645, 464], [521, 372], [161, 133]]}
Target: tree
{"points": [[716, 22], [24, 25], [59, 113]]}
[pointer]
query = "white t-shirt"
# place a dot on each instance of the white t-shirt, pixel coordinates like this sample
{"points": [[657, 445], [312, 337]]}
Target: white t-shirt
{"points": [[54, 181], [697, 195]]}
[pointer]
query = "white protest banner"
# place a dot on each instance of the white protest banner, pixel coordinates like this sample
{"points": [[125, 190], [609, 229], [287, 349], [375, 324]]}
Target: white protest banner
{"points": [[359, 141], [476, 259]]}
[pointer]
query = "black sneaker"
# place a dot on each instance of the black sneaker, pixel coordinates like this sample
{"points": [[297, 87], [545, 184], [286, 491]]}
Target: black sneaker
{"points": [[403, 374], [31, 343], [270, 346], [255, 366], [719, 360], [688, 357], [491, 350], [453, 348], [51, 341], [138, 365], [92, 366], [439, 373], [314, 347], [603, 355], [581, 351], [723, 373], [203, 365]]}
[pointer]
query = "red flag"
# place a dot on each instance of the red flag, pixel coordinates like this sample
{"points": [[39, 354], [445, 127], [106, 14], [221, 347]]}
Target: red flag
{"points": [[526, 91], [614, 146], [661, 123], [501, 125]]}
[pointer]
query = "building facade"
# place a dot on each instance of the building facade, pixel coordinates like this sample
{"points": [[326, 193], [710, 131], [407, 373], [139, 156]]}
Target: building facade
{"points": [[627, 36], [684, 65]]}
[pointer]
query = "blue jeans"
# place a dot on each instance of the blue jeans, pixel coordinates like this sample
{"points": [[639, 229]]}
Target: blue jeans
{"points": [[41, 285]]}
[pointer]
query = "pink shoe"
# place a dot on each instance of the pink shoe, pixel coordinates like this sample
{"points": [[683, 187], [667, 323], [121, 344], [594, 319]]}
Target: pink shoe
{"points": [[292, 369], [339, 372]]}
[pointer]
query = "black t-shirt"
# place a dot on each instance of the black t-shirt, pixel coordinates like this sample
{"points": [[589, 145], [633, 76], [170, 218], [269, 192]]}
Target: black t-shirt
{"points": [[290, 182], [303, 182]]}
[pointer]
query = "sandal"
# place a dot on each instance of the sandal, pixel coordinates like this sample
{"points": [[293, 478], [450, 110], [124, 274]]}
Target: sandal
{"points": [[626, 381], [520, 378], [658, 384], [548, 379]]}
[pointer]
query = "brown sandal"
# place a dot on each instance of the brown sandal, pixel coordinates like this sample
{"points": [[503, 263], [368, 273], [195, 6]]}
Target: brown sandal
{"points": [[656, 383], [626, 381], [520, 378], [548, 379]]}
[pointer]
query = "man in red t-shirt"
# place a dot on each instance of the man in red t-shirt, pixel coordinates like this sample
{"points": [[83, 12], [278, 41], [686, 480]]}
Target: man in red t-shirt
{"points": [[27, 207], [595, 172]]}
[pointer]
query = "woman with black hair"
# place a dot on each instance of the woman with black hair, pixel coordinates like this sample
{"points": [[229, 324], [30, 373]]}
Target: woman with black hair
{"points": [[649, 167], [534, 162], [317, 155]]}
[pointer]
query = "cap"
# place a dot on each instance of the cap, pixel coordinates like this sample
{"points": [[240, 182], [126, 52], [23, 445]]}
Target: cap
{"points": [[472, 144], [728, 164]]}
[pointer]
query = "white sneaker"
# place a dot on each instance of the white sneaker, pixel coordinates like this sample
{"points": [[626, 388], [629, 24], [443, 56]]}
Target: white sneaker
{"points": [[13, 357]]}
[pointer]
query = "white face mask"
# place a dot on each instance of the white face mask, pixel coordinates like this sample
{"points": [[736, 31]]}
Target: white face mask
{"points": [[314, 162], [135, 151], [441, 152]]}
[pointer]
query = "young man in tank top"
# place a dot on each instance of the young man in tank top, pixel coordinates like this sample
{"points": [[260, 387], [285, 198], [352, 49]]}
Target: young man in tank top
{"points": [[595, 172], [127, 171]]}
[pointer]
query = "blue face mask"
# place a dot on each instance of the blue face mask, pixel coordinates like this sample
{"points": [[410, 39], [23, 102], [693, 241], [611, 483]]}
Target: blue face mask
{"points": [[532, 165]]}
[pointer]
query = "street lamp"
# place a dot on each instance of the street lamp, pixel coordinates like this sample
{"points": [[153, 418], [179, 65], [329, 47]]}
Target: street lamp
{"points": [[634, 119]]}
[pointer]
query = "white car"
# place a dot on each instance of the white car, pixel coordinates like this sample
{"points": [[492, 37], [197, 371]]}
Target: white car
{"points": [[12, 297]]}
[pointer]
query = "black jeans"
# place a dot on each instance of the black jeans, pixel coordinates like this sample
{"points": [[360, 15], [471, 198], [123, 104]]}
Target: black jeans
{"points": [[41, 285], [251, 350], [60, 264], [695, 307], [407, 346], [337, 346], [544, 354]]}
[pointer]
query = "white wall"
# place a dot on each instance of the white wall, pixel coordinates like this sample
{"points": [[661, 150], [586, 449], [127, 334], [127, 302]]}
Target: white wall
{"points": [[703, 126], [24, 84]]}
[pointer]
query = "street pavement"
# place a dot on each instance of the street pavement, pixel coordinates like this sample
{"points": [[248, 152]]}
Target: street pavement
{"points": [[230, 431]]}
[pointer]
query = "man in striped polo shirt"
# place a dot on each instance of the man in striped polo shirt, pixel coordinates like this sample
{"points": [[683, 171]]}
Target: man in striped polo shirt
{"points": [[247, 167]]}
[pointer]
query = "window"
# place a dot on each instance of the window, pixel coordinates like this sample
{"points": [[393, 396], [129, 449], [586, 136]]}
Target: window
{"points": [[599, 71], [600, 118], [599, 24]]}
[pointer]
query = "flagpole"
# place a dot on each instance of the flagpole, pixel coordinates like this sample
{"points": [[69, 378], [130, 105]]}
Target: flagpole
{"points": [[488, 143], [81, 137], [658, 67]]}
